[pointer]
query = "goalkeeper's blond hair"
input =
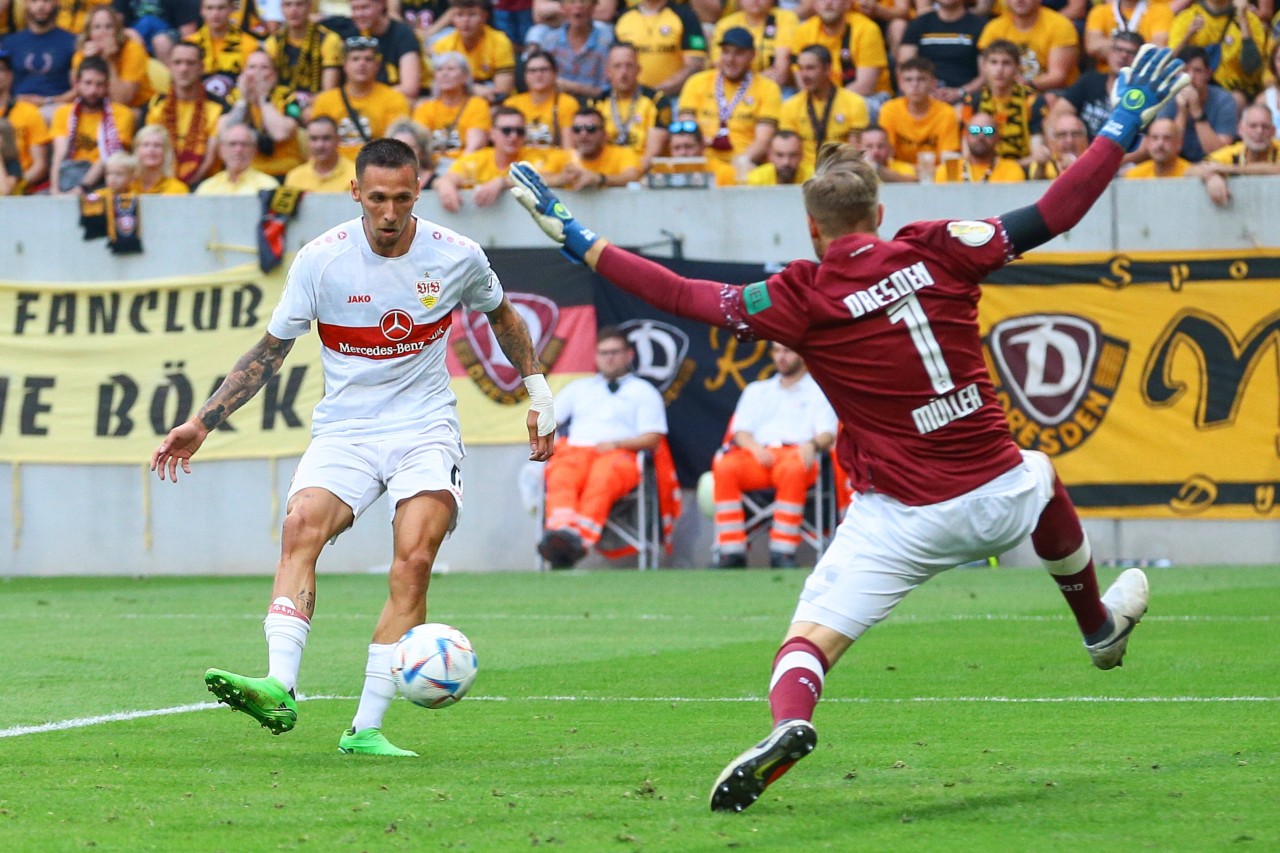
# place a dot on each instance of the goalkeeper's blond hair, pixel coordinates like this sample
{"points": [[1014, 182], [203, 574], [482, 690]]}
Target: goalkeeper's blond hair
{"points": [[844, 193]]}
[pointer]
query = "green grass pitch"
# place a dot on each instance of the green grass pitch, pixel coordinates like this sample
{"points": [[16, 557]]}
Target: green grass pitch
{"points": [[608, 702]]}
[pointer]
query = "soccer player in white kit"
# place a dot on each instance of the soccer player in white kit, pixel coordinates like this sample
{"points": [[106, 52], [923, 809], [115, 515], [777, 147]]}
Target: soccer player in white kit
{"points": [[380, 290]]}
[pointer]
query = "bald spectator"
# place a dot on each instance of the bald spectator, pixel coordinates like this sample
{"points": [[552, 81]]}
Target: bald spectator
{"points": [[87, 131], [917, 122], [1257, 153], [40, 57], [877, 147], [685, 141], [980, 165], [736, 108], [821, 111], [1049, 42], [669, 43], [785, 165], [1161, 146], [1066, 138], [1204, 110], [236, 147], [598, 163]]}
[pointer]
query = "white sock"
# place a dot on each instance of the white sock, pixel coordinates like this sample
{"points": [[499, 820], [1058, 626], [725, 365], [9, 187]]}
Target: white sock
{"points": [[379, 689], [286, 629]]}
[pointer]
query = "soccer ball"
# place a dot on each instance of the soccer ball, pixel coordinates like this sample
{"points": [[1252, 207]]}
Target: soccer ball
{"points": [[433, 665]]}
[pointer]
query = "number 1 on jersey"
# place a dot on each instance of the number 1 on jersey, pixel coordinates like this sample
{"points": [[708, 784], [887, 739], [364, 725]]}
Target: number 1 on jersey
{"points": [[908, 311]]}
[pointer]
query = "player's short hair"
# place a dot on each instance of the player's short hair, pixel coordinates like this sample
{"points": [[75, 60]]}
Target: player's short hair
{"points": [[844, 191], [188, 45], [609, 333], [385, 154], [499, 112], [1004, 46]]}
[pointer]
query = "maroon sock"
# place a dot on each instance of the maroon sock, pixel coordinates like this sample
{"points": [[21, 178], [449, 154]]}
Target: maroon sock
{"points": [[796, 685], [1060, 542]]}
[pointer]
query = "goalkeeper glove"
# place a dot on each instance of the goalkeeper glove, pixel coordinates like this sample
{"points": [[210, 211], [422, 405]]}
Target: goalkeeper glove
{"points": [[1140, 91], [550, 214]]}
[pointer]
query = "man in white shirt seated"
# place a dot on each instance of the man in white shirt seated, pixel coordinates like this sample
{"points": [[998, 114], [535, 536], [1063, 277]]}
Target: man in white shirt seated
{"points": [[607, 419], [780, 426], [237, 145]]}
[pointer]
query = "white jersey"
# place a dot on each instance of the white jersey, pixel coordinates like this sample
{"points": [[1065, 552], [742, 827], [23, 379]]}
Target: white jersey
{"points": [[598, 414], [775, 415], [383, 325]]}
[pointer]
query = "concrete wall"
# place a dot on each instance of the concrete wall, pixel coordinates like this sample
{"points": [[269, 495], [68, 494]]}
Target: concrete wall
{"points": [[63, 519]]}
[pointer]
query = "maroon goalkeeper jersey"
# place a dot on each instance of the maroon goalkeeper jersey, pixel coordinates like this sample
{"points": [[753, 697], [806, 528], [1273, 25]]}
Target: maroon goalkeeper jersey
{"points": [[889, 329]]}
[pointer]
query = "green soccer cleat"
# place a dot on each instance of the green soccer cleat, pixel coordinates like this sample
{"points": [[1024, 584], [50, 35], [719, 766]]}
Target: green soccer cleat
{"points": [[264, 699], [370, 742]]}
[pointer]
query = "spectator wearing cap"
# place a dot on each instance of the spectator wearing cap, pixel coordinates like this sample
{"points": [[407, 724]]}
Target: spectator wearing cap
{"points": [[598, 163], [821, 111], [1048, 40], [485, 171], [225, 47], [488, 51], [877, 147], [580, 47], [979, 163], [398, 46], [917, 122], [1160, 144], [1257, 153], [684, 140], [40, 57], [1090, 96], [1235, 39], [362, 108], [669, 43], [635, 116], [773, 30], [948, 37], [736, 108], [1205, 111], [29, 128], [785, 164], [1150, 22], [548, 112], [856, 46]]}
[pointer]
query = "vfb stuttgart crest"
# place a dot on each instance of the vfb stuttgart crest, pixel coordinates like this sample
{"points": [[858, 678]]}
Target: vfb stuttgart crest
{"points": [[1055, 376], [483, 359], [428, 291]]}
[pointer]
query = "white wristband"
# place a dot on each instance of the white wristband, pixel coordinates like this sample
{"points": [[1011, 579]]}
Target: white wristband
{"points": [[540, 401]]}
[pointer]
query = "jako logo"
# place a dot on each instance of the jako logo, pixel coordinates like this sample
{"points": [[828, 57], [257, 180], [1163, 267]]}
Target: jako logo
{"points": [[363, 297], [1056, 375]]}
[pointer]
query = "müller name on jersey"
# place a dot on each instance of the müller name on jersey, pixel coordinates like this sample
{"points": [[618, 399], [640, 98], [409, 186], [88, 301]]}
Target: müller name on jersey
{"points": [[941, 411], [898, 285]]}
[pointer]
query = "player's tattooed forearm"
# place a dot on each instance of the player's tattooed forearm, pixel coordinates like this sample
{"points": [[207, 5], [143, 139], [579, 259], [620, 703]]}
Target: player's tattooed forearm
{"points": [[517, 346], [253, 370]]}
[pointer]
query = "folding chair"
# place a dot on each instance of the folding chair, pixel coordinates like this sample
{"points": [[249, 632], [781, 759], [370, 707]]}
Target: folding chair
{"points": [[821, 510]]}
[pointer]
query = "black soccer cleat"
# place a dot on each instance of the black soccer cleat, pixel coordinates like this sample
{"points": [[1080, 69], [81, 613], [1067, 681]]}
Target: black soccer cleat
{"points": [[744, 780]]}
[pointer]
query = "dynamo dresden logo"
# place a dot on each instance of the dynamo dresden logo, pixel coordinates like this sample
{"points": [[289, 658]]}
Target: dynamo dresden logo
{"points": [[483, 359], [662, 352], [1055, 376]]}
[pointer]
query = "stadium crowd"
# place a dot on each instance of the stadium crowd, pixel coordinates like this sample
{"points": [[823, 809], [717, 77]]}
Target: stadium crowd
{"points": [[230, 97]]}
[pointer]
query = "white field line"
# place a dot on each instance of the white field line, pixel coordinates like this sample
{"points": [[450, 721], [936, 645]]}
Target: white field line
{"points": [[124, 716], [703, 617]]}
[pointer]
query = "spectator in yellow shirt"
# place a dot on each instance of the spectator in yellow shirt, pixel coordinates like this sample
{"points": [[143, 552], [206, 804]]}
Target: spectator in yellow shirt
{"points": [[325, 171], [154, 150], [856, 45], [785, 165], [457, 120], [980, 165], [669, 43], [916, 121], [684, 140], [29, 129], [598, 163], [236, 146], [548, 112], [821, 111], [87, 131], [635, 116], [773, 29], [1235, 38], [363, 108], [307, 56], [225, 47], [1257, 153], [1161, 144], [877, 147], [488, 51], [1151, 20], [1049, 42], [1015, 106], [104, 36], [736, 108], [1067, 138], [485, 170]]}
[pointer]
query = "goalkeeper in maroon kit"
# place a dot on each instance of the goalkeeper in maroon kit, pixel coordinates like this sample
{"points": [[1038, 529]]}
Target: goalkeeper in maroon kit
{"points": [[889, 329]]}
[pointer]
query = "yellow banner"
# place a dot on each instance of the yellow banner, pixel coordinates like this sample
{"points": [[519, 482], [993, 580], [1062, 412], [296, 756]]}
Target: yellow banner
{"points": [[1151, 379]]}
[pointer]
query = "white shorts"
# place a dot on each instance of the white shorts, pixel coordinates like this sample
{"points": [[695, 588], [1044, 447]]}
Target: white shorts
{"points": [[401, 465], [883, 549]]}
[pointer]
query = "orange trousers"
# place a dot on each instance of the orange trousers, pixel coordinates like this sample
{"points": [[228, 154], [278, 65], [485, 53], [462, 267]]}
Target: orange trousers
{"points": [[736, 471], [583, 485]]}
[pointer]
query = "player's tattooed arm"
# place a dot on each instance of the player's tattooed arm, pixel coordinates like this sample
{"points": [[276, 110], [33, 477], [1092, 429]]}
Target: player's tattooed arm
{"points": [[254, 369], [513, 336]]}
